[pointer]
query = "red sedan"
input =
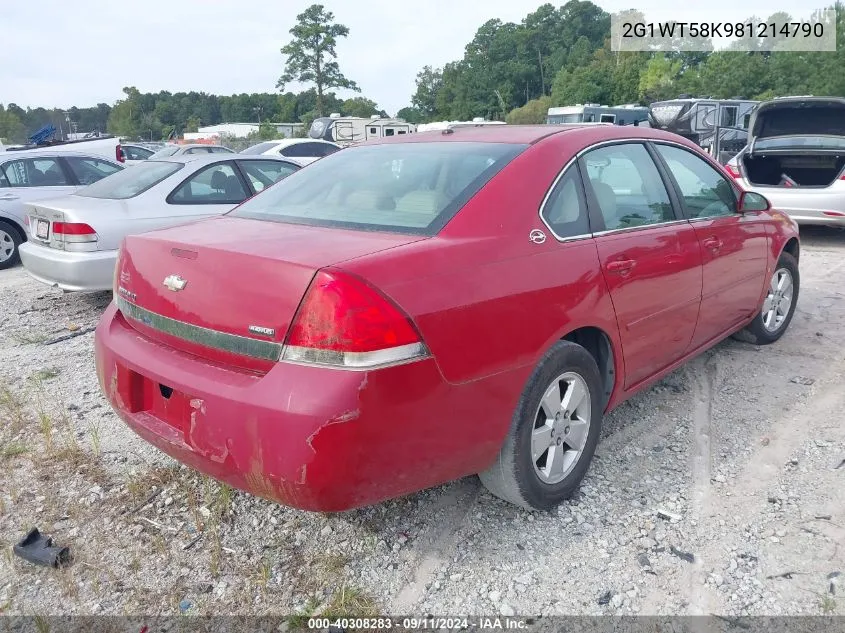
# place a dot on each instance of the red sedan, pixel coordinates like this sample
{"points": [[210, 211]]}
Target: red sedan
{"points": [[421, 308]]}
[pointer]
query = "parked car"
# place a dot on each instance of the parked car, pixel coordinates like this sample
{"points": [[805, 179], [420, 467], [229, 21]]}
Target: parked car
{"points": [[190, 149], [133, 154], [305, 150], [102, 146], [417, 309], [74, 239], [796, 158], [37, 175]]}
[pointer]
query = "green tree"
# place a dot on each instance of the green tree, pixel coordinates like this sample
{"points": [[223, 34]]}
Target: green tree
{"points": [[124, 119], [658, 77], [360, 107], [192, 124], [311, 56], [429, 82], [12, 129], [533, 112], [411, 115]]}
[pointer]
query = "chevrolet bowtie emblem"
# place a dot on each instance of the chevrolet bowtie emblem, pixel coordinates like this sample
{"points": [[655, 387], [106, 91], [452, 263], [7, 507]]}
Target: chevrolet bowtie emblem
{"points": [[175, 283]]}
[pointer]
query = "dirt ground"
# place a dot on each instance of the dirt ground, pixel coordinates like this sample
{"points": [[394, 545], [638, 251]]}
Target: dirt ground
{"points": [[719, 491]]}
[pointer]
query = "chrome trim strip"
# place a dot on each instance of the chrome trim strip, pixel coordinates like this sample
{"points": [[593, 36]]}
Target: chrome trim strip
{"points": [[630, 229], [215, 339]]}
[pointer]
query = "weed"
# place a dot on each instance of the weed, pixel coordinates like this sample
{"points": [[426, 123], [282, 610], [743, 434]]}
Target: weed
{"points": [[827, 604], [48, 373], [350, 601], [13, 449], [299, 621]]}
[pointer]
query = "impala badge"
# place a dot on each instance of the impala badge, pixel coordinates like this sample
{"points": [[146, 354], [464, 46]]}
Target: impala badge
{"points": [[175, 283], [263, 331], [537, 236]]}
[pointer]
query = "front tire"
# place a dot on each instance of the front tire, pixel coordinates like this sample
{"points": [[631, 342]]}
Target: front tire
{"points": [[778, 306], [554, 432], [10, 240]]}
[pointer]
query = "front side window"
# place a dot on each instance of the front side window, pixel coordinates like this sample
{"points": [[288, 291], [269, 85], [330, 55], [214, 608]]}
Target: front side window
{"points": [[131, 182], [35, 172], [215, 184], [706, 193], [627, 186], [565, 210], [263, 173], [90, 170], [404, 187]]}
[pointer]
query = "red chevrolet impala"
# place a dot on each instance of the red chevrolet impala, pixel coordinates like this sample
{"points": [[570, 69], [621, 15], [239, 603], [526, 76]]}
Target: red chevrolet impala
{"points": [[421, 308]]}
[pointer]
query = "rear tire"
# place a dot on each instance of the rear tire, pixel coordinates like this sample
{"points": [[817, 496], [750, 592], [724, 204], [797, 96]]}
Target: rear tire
{"points": [[10, 240], [778, 305], [559, 410]]}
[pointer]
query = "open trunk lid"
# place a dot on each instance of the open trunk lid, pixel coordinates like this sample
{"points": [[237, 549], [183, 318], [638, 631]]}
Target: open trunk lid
{"points": [[798, 116], [227, 289]]}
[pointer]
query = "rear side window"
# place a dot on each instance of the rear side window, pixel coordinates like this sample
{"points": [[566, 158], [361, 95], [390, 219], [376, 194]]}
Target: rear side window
{"points": [[220, 150], [165, 152], [626, 186], [136, 153], [215, 184], [263, 173], [35, 172], [128, 183], [260, 148], [565, 210], [405, 187], [90, 170], [305, 150]]}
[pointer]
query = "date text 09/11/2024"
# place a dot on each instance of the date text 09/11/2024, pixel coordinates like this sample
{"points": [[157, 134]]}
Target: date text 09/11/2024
{"points": [[418, 624]]}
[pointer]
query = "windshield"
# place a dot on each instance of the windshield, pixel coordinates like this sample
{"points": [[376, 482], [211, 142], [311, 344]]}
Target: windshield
{"points": [[259, 149], [165, 152], [800, 142], [402, 187], [131, 182]]}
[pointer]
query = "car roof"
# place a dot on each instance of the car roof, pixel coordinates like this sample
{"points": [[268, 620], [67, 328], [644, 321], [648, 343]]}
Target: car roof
{"points": [[527, 134], [46, 151]]}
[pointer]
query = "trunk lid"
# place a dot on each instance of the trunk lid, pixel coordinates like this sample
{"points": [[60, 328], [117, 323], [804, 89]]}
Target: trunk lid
{"points": [[798, 116], [227, 288]]}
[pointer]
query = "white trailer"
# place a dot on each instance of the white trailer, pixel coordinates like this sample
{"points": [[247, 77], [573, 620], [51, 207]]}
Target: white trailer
{"points": [[346, 130]]}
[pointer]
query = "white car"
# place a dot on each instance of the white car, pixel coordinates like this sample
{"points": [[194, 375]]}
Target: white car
{"points": [[38, 174], [796, 158], [134, 154], [75, 239], [305, 150], [190, 149]]}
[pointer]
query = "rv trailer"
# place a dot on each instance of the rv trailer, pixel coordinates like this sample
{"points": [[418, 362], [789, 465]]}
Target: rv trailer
{"points": [[442, 125], [629, 114], [696, 120], [345, 130]]}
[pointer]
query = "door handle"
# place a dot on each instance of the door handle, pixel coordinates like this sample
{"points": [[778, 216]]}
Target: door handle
{"points": [[621, 266], [713, 243]]}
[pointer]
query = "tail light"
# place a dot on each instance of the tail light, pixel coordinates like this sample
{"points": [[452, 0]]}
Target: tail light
{"points": [[733, 171], [73, 232], [344, 322], [118, 154]]}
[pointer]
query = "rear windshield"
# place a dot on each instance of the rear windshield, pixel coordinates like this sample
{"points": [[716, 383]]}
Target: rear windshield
{"points": [[258, 149], [131, 181], [402, 187], [801, 142], [165, 152]]}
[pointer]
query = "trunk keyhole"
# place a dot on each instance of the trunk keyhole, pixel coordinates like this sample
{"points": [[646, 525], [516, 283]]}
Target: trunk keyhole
{"points": [[166, 391]]}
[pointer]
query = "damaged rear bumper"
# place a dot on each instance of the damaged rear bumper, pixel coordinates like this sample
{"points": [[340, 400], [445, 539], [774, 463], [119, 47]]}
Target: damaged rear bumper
{"points": [[309, 437]]}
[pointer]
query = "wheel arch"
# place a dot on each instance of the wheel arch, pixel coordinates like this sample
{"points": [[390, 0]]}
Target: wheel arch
{"points": [[601, 347], [792, 247], [11, 222]]}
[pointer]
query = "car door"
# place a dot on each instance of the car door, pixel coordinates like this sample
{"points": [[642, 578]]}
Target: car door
{"points": [[733, 244], [650, 257], [26, 180]]}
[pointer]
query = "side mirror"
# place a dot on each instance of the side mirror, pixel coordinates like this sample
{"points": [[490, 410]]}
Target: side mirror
{"points": [[750, 201]]}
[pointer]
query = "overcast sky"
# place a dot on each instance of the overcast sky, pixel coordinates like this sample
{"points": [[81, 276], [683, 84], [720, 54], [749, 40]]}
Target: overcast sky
{"points": [[58, 53]]}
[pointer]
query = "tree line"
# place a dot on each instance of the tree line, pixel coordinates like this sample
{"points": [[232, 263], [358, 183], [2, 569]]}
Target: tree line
{"points": [[509, 71]]}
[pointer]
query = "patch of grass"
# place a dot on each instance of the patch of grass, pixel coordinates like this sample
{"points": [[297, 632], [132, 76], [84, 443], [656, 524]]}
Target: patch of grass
{"points": [[12, 409], [48, 373], [29, 338], [41, 624], [350, 602], [13, 449], [299, 621], [140, 485], [827, 604]]}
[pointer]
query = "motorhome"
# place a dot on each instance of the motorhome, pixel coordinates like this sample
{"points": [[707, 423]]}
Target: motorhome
{"points": [[696, 118], [345, 130], [442, 125], [629, 114]]}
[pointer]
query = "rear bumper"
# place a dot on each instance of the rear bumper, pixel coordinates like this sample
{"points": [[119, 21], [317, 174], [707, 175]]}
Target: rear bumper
{"points": [[74, 272], [309, 437]]}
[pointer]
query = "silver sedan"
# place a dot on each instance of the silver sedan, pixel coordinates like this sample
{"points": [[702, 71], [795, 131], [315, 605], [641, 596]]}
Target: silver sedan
{"points": [[75, 239]]}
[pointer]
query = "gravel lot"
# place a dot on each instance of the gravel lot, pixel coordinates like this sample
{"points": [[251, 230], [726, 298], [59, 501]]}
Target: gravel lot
{"points": [[720, 490]]}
